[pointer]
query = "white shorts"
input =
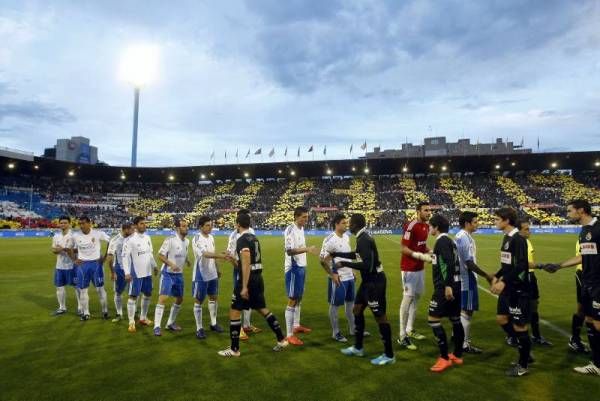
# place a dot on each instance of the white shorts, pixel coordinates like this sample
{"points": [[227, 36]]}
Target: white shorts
{"points": [[413, 283]]}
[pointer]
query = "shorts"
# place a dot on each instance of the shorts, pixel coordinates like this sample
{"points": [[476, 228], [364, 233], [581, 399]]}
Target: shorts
{"points": [[171, 284], [338, 295], [413, 282], [534, 290], [469, 298], [64, 277], [440, 307], [256, 293], [590, 299], [89, 271], [372, 294], [294, 282], [120, 283], [503, 305], [578, 278], [519, 308], [200, 289], [140, 285]]}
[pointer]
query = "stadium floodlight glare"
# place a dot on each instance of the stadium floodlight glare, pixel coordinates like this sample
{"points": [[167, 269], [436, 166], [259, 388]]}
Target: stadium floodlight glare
{"points": [[36, 167], [497, 167], [353, 168], [246, 175], [171, 177], [367, 170], [139, 67], [329, 172], [597, 164], [123, 177], [513, 164], [444, 168], [431, 166], [202, 176], [404, 169], [212, 174], [71, 173], [292, 173], [11, 166], [554, 165], [279, 171]]}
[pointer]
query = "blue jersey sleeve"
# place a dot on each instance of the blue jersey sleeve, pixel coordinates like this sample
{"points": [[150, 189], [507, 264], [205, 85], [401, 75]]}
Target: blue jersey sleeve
{"points": [[465, 251]]}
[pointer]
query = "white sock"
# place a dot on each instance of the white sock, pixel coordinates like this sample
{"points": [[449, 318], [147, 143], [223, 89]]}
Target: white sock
{"points": [[246, 316], [349, 307], [466, 322], [118, 304], [412, 313], [103, 301], [173, 315], [297, 315], [145, 307], [131, 305], [78, 297], [158, 314], [212, 311], [61, 296], [85, 301], [198, 316], [289, 320], [333, 318], [404, 305]]}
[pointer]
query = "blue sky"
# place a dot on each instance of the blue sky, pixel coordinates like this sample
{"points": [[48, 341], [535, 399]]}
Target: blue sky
{"points": [[270, 73]]}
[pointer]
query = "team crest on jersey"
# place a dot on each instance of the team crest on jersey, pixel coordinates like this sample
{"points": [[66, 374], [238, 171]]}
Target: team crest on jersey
{"points": [[506, 246], [588, 236]]}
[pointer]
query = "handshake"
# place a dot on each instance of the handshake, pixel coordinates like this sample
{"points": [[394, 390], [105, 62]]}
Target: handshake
{"points": [[422, 256], [549, 267]]}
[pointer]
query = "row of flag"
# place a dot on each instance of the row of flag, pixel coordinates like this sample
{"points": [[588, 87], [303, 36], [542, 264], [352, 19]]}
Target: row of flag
{"points": [[271, 153]]}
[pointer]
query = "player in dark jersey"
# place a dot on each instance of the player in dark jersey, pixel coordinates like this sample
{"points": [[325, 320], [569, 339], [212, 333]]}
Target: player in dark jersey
{"points": [[445, 301], [371, 292], [579, 211], [511, 284], [249, 289]]}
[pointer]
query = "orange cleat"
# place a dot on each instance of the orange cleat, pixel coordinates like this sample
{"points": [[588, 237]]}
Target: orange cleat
{"points": [[243, 335], [294, 340], [455, 360], [146, 322], [302, 329], [252, 330], [131, 328], [440, 365]]}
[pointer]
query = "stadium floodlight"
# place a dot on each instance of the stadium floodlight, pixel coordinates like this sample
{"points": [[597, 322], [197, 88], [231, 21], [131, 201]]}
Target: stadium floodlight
{"points": [[597, 164], [431, 166], [329, 172], [71, 173], [123, 177], [404, 169], [139, 67], [11, 166], [36, 167], [513, 164], [444, 168], [367, 170], [497, 167], [554, 165], [353, 168], [171, 177], [212, 174], [279, 171], [246, 175], [292, 173], [202, 176]]}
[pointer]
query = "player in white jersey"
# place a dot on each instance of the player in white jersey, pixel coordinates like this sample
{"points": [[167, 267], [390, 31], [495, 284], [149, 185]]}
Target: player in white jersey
{"points": [[205, 276], [341, 285], [173, 253], [139, 264], [295, 273], [114, 260], [64, 273], [247, 327], [88, 244]]}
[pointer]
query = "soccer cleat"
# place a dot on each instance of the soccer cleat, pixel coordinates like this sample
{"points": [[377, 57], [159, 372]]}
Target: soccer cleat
{"points": [[252, 329], [589, 369], [440, 365], [131, 328], [455, 360], [415, 336], [229, 353], [294, 340], [216, 328], [406, 343], [243, 335], [105, 316], [79, 312], [59, 312], [146, 322], [541, 341], [84, 318], [511, 341], [302, 329], [280, 345], [383, 359], [578, 346], [200, 334], [353, 351], [340, 338], [173, 327], [117, 319], [157, 332], [470, 349], [516, 371]]}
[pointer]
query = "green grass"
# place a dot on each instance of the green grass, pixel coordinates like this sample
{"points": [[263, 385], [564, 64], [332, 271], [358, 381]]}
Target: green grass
{"points": [[42, 357]]}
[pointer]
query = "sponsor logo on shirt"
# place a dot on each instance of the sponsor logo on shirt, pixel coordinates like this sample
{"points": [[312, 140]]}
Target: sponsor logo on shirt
{"points": [[515, 311], [589, 248]]}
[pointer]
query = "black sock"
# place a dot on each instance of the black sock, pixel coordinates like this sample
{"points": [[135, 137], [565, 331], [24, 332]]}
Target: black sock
{"points": [[576, 324], [234, 334], [535, 325], [509, 330], [386, 336], [274, 325], [359, 330], [458, 333], [440, 335], [594, 339], [524, 348]]}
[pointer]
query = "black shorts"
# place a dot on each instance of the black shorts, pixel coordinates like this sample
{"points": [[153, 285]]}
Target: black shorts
{"points": [[590, 299], [256, 293], [578, 279], [372, 294], [534, 290], [440, 307], [519, 308], [503, 305]]}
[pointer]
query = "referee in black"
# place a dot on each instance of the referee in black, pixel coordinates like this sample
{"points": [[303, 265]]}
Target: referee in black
{"points": [[371, 292]]}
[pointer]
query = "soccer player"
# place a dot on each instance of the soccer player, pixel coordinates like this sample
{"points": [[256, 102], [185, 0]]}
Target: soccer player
{"points": [[445, 301], [205, 276], [138, 265], [64, 272], [247, 326], [467, 255], [575, 342], [534, 292], [173, 253], [89, 265], [579, 211], [249, 289], [114, 260], [512, 281], [295, 273], [371, 291], [414, 253], [341, 285]]}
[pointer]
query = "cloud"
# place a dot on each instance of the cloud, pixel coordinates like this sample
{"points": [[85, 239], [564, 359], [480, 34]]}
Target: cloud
{"points": [[36, 112]]}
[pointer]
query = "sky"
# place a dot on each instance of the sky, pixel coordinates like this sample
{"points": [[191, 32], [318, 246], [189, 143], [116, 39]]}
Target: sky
{"points": [[270, 74]]}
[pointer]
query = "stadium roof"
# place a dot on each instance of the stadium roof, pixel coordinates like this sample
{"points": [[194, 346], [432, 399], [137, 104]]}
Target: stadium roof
{"points": [[577, 161]]}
